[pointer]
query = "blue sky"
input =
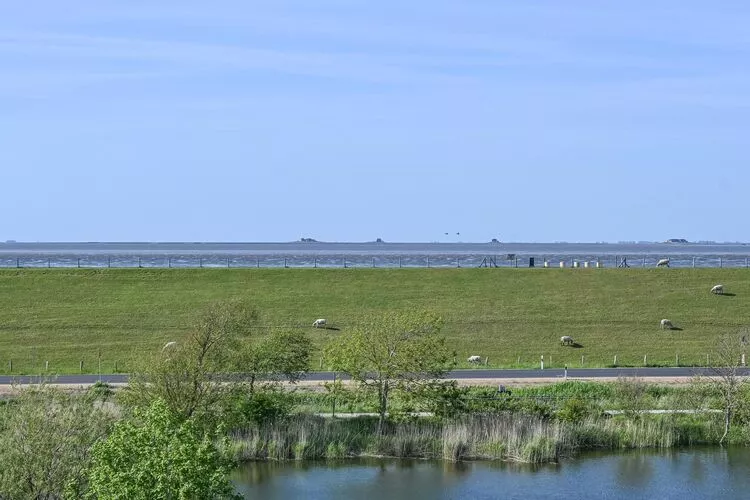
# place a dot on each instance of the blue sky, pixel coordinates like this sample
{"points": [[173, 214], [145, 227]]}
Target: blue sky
{"points": [[346, 120]]}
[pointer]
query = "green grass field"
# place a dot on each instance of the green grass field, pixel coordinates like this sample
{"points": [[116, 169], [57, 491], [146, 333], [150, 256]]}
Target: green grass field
{"points": [[64, 316]]}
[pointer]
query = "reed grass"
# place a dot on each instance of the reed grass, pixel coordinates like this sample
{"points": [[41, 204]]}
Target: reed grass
{"points": [[504, 436]]}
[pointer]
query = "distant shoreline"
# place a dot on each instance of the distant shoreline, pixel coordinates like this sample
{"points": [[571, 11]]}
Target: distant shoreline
{"points": [[308, 241]]}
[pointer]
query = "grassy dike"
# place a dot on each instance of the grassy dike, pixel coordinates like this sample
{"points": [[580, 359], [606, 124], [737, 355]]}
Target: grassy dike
{"points": [[65, 316]]}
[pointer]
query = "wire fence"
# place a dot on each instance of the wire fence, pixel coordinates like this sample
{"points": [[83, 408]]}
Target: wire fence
{"points": [[21, 261]]}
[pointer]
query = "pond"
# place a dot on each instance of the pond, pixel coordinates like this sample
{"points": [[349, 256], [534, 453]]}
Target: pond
{"points": [[695, 473]]}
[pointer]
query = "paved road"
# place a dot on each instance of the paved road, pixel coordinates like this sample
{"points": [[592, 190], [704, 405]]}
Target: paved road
{"points": [[458, 374]]}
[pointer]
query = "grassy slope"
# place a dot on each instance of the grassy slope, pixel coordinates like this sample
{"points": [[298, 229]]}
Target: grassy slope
{"points": [[65, 315]]}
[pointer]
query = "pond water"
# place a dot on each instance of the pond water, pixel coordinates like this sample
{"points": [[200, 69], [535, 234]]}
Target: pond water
{"points": [[696, 473]]}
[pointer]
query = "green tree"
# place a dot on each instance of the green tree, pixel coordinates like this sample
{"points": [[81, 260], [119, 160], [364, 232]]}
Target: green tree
{"points": [[45, 439], [227, 354], [399, 351], [159, 455]]}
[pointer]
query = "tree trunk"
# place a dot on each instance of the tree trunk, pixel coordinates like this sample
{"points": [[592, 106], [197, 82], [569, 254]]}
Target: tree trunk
{"points": [[727, 420], [382, 407]]}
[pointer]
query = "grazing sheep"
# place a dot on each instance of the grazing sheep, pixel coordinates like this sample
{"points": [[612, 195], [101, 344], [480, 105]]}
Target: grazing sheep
{"points": [[319, 323], [718, 289], [474, 359], [663, 263], [566, 340], [666, 324], [169, 345]]}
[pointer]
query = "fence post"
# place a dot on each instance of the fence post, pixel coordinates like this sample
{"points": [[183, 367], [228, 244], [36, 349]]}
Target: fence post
{"points": [[428, 261], [109, 261], [644, 262], [344, 262], [169, 262], [10, 366], [115, 366], [581, 360], [46, 366], [315, 262], [200, 262], [139, 262], [542, 362], [677, 360], [399, 261], [720, 263], [566, 372], [81, 366], [487, 360], [644, 360], [285, 266], [257, 262], [227, 262], [615, 363], [49, 263], [519, 361], [458, 261], [693, 262], [373, 262], [708, 363], [79, 263], [18, 262]]}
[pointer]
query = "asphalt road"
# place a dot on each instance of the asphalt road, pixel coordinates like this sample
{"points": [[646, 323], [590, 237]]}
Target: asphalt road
{"points": [[458, 375]]}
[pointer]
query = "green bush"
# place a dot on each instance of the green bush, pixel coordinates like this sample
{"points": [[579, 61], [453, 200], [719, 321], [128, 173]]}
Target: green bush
{"points": [[269, 405], [574, 410]]}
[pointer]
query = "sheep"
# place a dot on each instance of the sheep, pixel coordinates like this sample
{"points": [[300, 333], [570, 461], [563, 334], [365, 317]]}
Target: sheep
{"points": [[566, 340], [319, 323], [663, 263], [718, 289], [474, 359], [666, 324], [169, 345]]}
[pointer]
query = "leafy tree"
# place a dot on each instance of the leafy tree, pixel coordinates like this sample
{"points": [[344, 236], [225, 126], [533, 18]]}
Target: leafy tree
{"points": [[227, 354], [45, 439], [399, 351], [159, 455]]}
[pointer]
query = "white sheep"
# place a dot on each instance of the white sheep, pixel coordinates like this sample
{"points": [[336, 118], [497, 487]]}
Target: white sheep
{"points": [[474, 359], [718, 289], [566, 340], [319, 323], [666, 324], [663, 263]]}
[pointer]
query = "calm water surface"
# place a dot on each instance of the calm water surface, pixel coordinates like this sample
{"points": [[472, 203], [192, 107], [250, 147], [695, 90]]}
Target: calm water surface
{"points": [[392, 255], [685, 474]]}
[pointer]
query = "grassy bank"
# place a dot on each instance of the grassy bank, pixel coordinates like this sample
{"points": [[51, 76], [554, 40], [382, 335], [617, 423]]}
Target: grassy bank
{"points": [[513, 437], [65, 316]]}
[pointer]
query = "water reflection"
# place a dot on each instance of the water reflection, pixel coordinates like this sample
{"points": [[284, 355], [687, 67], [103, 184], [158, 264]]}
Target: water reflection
{"points": [[684, 474], [634, 470]]}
